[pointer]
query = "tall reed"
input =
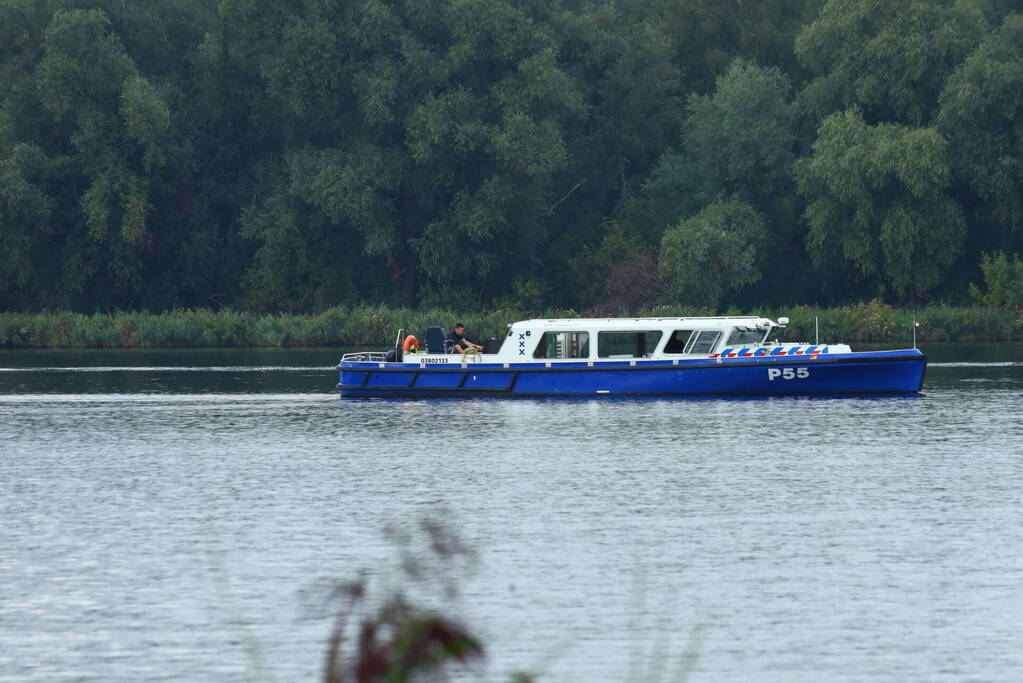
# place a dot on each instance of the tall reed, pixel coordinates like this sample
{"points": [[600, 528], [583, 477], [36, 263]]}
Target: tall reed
{"points": [[367, 325]]}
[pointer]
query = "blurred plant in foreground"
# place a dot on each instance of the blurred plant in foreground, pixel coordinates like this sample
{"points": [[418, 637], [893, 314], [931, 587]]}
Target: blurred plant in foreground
{"points": [[394, 640]]}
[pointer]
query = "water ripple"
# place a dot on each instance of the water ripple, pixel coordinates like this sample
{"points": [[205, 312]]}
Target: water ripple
{"points": [[180, 531]]}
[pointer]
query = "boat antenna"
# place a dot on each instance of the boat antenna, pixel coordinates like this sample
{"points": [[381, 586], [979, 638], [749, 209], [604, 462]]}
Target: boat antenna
{"points": [[816, 330], [915, 325]]}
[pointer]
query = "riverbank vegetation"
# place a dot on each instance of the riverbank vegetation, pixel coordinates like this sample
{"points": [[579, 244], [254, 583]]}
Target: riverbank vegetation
{"points": [[378, 325], [309, 156]]}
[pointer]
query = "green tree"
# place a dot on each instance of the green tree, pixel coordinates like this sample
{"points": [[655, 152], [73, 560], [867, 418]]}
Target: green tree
{"points": [[1003, 280], [26, 211], [707, 259], [710, 34], [84, 76], [878, 200], [428, 130], [980, 114], [606, 274], [890, 58], [737, 142], [113, 151], [621, 58]]}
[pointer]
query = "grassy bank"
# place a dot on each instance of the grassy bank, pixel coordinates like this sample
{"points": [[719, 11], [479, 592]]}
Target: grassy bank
{"points": [[874, 322], [377, 326]]}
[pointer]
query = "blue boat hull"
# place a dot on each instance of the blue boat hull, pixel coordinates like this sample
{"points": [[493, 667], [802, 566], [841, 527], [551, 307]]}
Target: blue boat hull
{"points": [[880, 372]]}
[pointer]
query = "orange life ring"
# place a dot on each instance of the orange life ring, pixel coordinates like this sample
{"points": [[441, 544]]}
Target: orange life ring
{"points": [[411, 344]]}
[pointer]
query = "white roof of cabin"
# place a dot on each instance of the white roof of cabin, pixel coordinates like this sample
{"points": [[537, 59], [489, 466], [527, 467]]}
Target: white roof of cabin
{"points": [[571, 324]]}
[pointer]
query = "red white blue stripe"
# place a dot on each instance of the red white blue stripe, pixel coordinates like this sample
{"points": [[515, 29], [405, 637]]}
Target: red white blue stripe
{"points": [[779, 351]]}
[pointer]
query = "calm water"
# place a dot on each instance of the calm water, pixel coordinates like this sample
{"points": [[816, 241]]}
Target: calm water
{"points": [[176, 515]]}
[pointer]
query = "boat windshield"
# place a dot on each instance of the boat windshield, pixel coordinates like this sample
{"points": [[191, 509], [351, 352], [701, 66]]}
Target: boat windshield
{"points": [[703, 342], [744, 336]]}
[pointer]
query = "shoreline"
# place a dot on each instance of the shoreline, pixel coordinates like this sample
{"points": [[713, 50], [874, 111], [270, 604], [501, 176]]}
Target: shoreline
{"points": [[354, 326]]}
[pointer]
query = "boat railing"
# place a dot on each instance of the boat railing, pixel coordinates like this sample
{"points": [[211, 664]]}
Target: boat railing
{"points": [[365, 357]]}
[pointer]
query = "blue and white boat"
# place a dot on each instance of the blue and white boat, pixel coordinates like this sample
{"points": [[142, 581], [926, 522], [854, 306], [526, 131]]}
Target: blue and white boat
{"points": [[698, 356]]}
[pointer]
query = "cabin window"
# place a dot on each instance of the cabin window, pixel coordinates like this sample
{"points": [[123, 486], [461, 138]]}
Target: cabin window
{"points": [[703, 342], [561, 345], [677, 341], [745, 337], [627, 344]]}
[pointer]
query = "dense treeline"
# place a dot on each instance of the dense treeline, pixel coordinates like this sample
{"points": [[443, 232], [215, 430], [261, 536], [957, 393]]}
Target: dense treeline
{"points": [[296, 155]]}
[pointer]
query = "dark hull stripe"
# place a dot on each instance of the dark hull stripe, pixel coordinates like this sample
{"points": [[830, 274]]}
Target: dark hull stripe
{"points": [[476, 393], [727, 363]]}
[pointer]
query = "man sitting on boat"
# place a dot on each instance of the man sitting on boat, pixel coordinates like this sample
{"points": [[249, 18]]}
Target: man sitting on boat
{"points": [[459, 344]]}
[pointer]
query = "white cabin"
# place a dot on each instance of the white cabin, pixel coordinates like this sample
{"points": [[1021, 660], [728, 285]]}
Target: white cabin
{"points": [[607, 339]]}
